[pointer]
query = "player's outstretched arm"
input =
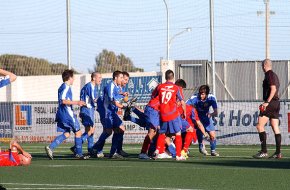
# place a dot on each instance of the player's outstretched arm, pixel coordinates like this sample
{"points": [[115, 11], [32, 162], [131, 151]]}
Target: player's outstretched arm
{"points": [[14, 146], [201, 128], [183, 104], [69, 102], [119, 105], [12, 76]]}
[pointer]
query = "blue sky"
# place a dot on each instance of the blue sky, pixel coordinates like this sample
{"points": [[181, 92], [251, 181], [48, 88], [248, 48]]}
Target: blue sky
{"points": [[137, 28]]}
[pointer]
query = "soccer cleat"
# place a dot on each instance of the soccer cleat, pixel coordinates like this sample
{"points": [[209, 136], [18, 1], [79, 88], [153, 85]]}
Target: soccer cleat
{"points": [[143, 156], [132, 102], [127, 113], [155, 155], [100, 155], [180, 158], [116, 156], [260, 155], [204, 152], [72, 149], [81, 157], [49, 152], [276, 155], [163, 155], [214, 153], [184, 154], [123, 153]]}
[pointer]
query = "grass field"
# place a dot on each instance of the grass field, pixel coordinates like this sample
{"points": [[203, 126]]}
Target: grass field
{"points": [[234, 169]]}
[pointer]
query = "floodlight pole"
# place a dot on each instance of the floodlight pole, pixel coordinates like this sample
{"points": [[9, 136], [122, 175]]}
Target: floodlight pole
{"points": [[68, 34], [167, 11], [212, 50], [267, 12]]}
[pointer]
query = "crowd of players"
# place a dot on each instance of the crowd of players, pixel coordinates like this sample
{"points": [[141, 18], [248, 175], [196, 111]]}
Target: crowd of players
{"points": [[171, 122]]}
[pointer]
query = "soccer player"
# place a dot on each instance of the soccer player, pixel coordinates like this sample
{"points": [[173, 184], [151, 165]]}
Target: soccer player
{"points": [[66, 120], [269, 110], [7, 79], [148, 118], [192, 121], [188, 132], [120, 133], [202, 102], [15, 156], [108, 106], [169, 94], [87, 113]]}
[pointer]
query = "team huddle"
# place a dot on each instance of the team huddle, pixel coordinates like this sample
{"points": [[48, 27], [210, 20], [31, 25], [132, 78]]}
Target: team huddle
{"points": [[171, 122]]}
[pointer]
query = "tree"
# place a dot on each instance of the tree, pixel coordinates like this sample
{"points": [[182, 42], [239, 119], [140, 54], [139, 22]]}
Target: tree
{"points": [[27, 66], [108, 61]]}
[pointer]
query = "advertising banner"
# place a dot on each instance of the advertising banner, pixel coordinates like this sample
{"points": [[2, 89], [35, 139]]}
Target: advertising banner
{"points": [[5, 121]]}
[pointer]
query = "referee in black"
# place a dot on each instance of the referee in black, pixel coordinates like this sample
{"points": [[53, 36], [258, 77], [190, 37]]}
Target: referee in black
{"points": [[269, 110]]}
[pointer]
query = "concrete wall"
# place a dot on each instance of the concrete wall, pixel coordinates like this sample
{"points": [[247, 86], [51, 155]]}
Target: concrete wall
{"points": [[44, 88]]}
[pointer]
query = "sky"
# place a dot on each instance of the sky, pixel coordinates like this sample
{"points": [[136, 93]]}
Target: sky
{"points": [[137, 28]]}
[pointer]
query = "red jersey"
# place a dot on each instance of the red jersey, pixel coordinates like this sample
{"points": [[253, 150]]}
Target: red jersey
{"points": [[154, 101], [168, 94], [9, 158], [191, 114]]}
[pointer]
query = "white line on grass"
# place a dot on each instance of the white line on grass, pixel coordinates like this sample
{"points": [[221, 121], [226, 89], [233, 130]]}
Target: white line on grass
{"points": [[61, 186]]}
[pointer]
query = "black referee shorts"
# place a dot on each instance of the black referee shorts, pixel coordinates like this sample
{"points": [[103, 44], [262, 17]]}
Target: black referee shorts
{"points": [[272, 110]]}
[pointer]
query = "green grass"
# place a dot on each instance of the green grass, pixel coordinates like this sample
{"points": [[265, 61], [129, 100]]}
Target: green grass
{"points": [[235, 169]]}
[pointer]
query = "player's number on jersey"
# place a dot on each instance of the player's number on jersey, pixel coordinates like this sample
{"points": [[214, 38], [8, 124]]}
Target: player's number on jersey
{"points": [[166, 96]]}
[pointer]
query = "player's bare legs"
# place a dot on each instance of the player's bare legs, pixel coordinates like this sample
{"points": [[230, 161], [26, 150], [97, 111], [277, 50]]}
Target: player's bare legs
{"points": [[262, 121], [275, 127]]}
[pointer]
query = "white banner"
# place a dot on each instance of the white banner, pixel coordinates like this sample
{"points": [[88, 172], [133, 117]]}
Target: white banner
{"points": [[236, 124], [36, 123]]}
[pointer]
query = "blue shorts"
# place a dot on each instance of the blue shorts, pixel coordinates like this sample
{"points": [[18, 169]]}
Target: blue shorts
{"points": [[67, 128], [208, 125], [152, 117], [185, 125], [88, 116], [208, 128], [173, 126], [112, 120]]}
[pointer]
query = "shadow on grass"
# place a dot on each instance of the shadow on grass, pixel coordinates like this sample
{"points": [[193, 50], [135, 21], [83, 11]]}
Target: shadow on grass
{"points": [[250, 163], [245, 162]]}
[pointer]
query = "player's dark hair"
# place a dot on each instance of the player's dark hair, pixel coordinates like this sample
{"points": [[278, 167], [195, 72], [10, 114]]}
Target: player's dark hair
{"points": [[67, 74], [116, 74], [181, 83], [125, 74], [169, 75], [204, 89], [94, 75]]}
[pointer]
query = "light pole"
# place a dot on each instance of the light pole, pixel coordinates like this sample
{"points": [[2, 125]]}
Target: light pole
{"points": [[167, 11], [212, 51], [179, 33], [268, 13], [68, 33]]}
